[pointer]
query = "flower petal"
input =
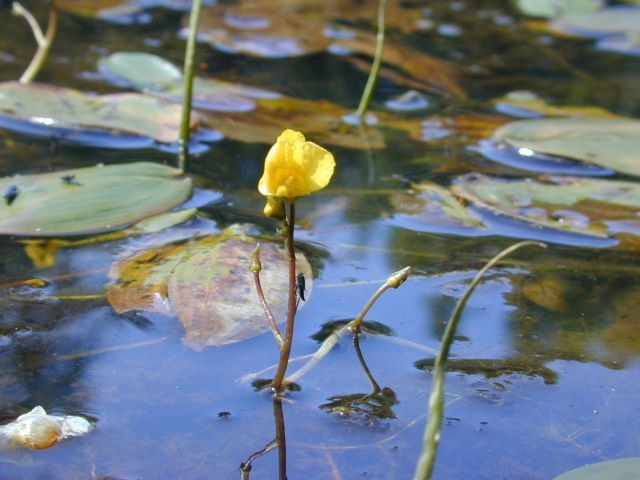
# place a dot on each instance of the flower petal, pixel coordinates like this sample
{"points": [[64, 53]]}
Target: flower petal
{"points": [[295, 167]]}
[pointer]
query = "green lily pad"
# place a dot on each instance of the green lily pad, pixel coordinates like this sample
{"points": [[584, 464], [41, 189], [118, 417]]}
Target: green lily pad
{"points": [[595, 207], [68, 114], [612, 143], [553, 8], [620, 469], [433, 207], [604, 22], [89, 200], [207, 284], [153, 74]]}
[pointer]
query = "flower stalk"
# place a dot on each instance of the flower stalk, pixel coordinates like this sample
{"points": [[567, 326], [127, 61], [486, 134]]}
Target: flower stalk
{"points": [[293, 167], [285, 349]]}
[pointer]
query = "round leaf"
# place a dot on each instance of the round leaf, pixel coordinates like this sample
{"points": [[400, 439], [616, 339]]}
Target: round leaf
{"points": [[89, 200], [606, 142], [620, 469]]}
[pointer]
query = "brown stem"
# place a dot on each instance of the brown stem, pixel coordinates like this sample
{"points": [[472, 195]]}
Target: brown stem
{"points": [[280, 438], [267, 311], [285, 351]]}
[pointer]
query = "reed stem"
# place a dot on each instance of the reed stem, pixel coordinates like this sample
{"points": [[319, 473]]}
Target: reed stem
{"points": [[431, 439], [377, 61], [189, 62], [44, 41]]}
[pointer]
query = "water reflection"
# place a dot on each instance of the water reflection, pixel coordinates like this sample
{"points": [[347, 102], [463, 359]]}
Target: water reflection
{"points": [[368, 407]]}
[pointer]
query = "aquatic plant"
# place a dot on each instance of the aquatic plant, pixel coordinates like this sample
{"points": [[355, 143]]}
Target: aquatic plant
{"points": [[293, 168]]}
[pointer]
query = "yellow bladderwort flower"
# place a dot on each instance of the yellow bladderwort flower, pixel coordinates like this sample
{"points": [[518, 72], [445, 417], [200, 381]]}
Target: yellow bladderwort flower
{"points": [[293, 168]]}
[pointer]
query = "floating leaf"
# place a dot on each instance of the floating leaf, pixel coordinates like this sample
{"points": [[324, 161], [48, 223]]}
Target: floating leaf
{"points": [[38, 430], [613, 143], [433, 207], [620, 469], [553, 8], [42, 252], [104, 120], [105, 198], [528, 104], [156, 75], [587, 206], [614, 20], [207, 284]]}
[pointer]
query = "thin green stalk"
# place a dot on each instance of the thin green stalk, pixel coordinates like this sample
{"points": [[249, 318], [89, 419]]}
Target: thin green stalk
{"points": [[189, 57], [285, 351], [377, 61], [44, 41], [426, 462]]}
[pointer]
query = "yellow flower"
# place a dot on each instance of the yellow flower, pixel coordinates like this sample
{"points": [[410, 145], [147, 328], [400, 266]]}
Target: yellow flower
{"points": [[294, 168]]}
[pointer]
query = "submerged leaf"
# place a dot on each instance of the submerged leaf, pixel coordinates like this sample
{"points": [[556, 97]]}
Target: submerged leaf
{"points": [[281, 30], [207, 284], [586, 206], [613, 143], [105, 198], [71, 115]]}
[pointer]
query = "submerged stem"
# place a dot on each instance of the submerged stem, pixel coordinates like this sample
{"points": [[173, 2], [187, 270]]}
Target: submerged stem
{"points": [[189, 56], [44, 41], [424, 467], [377, 60], [285, 351]]}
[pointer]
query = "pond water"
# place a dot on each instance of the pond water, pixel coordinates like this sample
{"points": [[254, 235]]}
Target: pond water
{"points": [[544, 372]]}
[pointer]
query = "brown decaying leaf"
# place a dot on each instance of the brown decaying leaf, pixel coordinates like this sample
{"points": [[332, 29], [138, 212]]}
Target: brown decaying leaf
{"points": [[321, 121], [206, 283], [291, 29]]}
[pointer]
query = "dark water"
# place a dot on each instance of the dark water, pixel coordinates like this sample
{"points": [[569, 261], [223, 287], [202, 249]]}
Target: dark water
{"points": [[545, 370]]}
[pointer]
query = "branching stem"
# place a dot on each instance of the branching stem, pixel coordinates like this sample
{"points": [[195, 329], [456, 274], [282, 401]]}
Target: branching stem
{"points": [[44, 41], [394, 281]]}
